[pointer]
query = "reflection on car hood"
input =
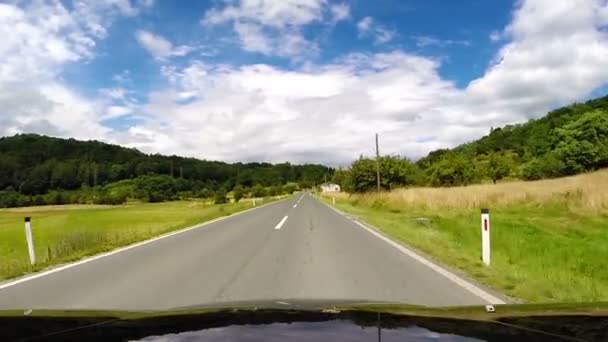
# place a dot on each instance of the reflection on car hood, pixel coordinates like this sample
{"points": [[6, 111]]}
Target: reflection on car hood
{"points": [[314, 320]]}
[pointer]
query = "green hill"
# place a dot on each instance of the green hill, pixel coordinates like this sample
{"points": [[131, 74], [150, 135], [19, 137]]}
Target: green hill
{"points": [[32, 164], [566, 141]]}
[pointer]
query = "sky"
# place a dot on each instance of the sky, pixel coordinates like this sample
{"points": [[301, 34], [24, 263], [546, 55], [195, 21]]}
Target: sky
{"points": [[294, 80]]}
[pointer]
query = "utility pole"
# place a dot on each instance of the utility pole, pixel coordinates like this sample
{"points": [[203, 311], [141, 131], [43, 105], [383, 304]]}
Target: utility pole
{"points": [[377, 164]]}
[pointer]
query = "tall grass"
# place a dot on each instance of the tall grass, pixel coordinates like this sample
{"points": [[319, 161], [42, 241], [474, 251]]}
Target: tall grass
{"points": [[549, 238], [586, 191]]}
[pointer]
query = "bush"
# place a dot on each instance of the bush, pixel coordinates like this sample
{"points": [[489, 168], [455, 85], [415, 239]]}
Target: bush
{"points": [[258, 191], [205, 193], [290, 188], [155, 188], [11, 199], [39, 200], [547, 167], [453, 170], [238, 193], [220, 197], [274, 190], [55, 197]]}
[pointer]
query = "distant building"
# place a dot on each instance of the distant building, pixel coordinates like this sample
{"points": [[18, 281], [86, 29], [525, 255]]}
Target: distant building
{"points": [[330, 187]]}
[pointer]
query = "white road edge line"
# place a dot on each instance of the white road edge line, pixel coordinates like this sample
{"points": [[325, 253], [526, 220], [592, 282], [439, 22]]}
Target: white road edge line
{"points": [[280, 224], [122, 249], [295, 205], [451, 276]]}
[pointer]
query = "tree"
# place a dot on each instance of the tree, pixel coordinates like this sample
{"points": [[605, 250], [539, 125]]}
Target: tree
{"points": [[452, 170], [238, 192], [342, 177], [394, 172], [205, 193], [499, 166], [583, 144]]}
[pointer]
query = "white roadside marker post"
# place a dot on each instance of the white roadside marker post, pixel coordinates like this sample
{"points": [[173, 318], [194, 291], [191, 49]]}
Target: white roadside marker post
{"points": [[333, 200], [254, 201], [485, 236], [30, 240]]}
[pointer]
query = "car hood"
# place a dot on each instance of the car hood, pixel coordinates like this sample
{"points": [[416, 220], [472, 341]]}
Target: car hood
{"points": [[314, 320]]}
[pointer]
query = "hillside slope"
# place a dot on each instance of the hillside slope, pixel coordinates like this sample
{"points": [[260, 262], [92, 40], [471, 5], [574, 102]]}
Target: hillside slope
{"points": [[34, 164], [566, 141]]}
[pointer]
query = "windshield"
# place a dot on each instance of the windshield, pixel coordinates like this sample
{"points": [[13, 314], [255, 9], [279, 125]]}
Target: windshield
{"points": [[160, 155]]}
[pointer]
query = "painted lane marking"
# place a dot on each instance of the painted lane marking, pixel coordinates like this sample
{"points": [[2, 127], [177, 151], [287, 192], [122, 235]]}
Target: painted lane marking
{"points": [[489, 298], [122, 249], [295, 205], [280, 224]]}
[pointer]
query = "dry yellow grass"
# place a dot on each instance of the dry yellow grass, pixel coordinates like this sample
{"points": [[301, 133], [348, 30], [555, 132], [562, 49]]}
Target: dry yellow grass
{"points": [[549, 238], [586, 191]]}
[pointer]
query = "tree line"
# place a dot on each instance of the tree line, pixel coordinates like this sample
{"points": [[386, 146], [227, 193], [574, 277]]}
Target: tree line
{"points": [[567, 141], [36, 169]]}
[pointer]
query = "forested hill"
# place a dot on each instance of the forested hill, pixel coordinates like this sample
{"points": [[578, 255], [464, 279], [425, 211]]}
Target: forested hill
{"points": [[566, 141], [34, 164]]}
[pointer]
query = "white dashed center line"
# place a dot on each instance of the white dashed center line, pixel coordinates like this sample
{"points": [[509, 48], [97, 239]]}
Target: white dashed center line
{"points": [[278, 226]]}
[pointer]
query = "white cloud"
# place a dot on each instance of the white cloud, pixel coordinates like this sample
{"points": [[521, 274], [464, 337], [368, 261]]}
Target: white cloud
{"points": [[275, 27], [384, 35], [364, 25], [340, 12], [38, 40], [114, 93], [146, 3], [495, 36], [330, 112], [122, 77], [367, 27], [253, 38], [558, 52], [422, 41], [553, 53], [117, 111], [278, 14], [160, 47]]}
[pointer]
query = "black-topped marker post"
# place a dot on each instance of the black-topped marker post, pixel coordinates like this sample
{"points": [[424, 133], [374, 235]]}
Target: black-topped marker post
{"points": [[30, 240], [485, 236]]}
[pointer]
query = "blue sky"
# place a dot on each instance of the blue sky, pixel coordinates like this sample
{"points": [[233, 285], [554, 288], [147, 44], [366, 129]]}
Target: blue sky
{"points": [[300, 80]]}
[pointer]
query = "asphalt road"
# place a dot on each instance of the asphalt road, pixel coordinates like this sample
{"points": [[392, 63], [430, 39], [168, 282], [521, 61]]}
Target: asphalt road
{"points": [[314, 253]]}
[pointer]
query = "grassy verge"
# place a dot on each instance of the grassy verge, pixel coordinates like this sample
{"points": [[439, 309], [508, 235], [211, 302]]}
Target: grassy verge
{"points": [[70, 232], [549, 238]]}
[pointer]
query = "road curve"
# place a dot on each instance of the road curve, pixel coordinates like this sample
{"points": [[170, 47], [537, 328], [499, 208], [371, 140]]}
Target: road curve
{"points": [[293, 249]]}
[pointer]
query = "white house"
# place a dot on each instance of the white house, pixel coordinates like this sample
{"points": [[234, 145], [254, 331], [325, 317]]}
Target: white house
{"points": [[330, 187]]}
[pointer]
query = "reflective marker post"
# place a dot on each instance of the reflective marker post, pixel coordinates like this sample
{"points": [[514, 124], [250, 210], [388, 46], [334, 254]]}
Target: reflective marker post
{"points": [[333, 200], [30, 240], [254, 201], [485, 236]]}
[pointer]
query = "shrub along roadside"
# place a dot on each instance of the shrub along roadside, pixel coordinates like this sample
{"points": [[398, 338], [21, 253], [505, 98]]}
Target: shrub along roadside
{"points": [[151, 188]]}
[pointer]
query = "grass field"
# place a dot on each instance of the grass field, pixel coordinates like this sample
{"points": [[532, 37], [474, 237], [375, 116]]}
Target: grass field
{"points": [[549, 238], [69, 232]]}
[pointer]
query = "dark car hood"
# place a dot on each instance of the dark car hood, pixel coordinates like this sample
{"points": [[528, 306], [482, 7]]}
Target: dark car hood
{"points": [[314, 320]]}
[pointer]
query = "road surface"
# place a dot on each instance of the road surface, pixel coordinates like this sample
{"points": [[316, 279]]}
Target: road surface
{"points": [[297, 248]]}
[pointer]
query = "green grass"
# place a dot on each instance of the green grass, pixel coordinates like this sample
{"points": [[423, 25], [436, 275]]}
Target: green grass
{"points": [[66, 233], [540, 253]]}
